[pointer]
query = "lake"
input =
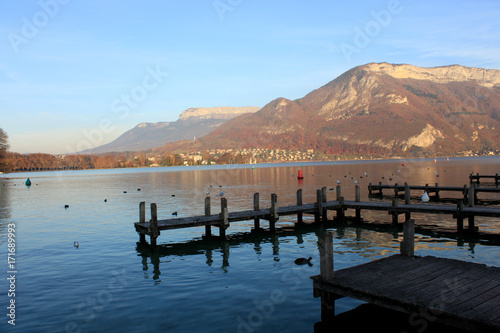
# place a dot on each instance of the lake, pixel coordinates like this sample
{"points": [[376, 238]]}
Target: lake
{"points": [[247, 284]]}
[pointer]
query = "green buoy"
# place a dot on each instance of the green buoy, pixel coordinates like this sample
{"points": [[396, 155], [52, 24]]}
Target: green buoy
{"points": [[28, 182]]}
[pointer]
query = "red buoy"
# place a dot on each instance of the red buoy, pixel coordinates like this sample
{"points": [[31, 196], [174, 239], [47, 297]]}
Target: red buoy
{"points": [[300, 175]]}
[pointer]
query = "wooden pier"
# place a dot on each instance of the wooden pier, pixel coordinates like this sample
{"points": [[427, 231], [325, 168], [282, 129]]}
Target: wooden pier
{"points": [[456, 293], [466, 191], [319, 209], [476, 178]]}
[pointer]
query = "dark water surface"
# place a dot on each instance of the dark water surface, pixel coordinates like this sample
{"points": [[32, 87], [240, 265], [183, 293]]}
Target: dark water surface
{"points": [[248, 284]]}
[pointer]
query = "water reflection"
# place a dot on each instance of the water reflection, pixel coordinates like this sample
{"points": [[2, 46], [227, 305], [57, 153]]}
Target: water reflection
{"points": [[365, 242]]}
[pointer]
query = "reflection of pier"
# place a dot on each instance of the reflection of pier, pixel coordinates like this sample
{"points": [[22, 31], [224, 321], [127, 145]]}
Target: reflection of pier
{"points": [[217, 252], [319, 209], [457, 293]]}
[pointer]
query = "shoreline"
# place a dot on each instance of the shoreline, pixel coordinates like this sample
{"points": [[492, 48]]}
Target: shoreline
{"points": [[85, 172]]}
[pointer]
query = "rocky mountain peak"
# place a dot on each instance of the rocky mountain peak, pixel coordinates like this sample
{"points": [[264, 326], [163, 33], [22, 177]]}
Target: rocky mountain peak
{"points": [[443, 74], [223, 112]]}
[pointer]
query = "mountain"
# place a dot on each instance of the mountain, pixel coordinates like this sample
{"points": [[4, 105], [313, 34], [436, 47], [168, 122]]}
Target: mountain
{"points": [[378, 109], [193, 122]]}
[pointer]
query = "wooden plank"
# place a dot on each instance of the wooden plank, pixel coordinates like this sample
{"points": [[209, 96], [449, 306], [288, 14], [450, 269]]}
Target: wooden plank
{"points": [[407, 293]]}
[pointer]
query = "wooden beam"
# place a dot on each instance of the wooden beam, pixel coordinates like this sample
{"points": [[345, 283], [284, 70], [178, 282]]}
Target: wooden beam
{"points": [[208, 227], [407, 246]]}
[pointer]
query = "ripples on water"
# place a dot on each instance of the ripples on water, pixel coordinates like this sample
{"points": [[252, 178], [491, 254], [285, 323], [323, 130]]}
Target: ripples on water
{"points": [[110, 283]]}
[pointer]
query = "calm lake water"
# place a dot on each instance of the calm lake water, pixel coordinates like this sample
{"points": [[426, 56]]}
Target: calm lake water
{"points": [[248, 284]]}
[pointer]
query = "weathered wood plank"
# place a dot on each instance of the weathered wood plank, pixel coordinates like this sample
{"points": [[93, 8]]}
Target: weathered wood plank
{"points": [[460, 294]]}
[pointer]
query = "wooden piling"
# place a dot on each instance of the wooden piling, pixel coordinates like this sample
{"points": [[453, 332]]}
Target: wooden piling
{"points": [[407, 246], [396, 190], [319, 204], [324, 212], [394, 211], [437, 191], [142, 219], [370, 189], [155, 232], [274, 212], [208, 227], [299, 203], [224, 222], [357, 199], [256, 221], [471, 226], [340, 210], [380, 189], [407, 201], [460, 217], [325, 244]]}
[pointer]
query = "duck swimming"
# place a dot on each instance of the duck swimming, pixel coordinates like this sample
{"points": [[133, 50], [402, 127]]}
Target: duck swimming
{"points": [[303, 261]]}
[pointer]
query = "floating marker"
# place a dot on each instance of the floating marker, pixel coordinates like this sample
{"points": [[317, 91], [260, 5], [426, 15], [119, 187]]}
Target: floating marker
{"points": [[425, 197], [300, 175], [28, 182]]}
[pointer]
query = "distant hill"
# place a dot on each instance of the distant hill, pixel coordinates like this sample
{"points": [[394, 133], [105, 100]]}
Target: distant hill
{"points": [[193, 122], [378, 108]]}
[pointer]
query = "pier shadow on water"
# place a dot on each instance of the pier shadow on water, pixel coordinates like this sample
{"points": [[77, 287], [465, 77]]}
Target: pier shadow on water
{"points": [[217, 251]]}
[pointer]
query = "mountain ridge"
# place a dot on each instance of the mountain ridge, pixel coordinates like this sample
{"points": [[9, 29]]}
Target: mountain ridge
{"points": [[378, 109], [193, 122]]}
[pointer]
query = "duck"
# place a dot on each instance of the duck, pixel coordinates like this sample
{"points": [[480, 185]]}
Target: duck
{"points": [[76, 244], [425, 197], [174, 213], [303, 261], [66, 206]]}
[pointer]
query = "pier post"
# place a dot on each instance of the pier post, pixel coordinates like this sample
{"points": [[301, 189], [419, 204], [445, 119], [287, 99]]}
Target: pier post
{"points": [[380, 189], [340, 215], [496, 179], [437, 191], [460, 217], [396, 190], [325, 244], [319, 204], [154, 232], [471, 226], [466, 193], [224, 218], [394, 211], [324, 212], [274, 212], [340, 210], [407, 246], [357, 199], [142, 219], [407, 201], [208, 227], [256, 221], [370, 189], [299, 203]]}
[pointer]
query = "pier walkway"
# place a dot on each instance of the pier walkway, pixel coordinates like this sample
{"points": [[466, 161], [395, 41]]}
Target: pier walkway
{"points": [[456, 293], [319, 209]]}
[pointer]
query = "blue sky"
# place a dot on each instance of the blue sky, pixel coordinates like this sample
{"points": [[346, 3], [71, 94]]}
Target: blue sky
{"points": [[76, 74]]}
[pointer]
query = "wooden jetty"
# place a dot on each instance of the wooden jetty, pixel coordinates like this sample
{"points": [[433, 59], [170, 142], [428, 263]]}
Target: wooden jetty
{"points": [[476, 178], [456, 293], [466, 191], [319, 209]]}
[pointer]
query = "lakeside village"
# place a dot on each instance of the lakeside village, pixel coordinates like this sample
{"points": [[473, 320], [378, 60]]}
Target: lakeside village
{"points": [[16, 162]]}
